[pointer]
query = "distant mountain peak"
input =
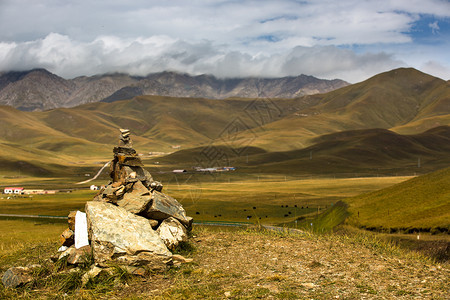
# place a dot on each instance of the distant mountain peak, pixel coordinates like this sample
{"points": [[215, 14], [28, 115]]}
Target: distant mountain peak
{"points": [[17, 89]]}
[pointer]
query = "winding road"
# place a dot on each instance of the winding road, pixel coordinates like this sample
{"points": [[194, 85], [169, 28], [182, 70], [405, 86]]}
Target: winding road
{"points": [[96, 175]]}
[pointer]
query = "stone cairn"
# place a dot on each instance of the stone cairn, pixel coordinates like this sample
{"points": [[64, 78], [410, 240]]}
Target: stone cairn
{"points": [[130, 222]]}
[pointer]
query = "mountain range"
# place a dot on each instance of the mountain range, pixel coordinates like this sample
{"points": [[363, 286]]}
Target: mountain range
{"points": [[389, 122], [38, 89]]}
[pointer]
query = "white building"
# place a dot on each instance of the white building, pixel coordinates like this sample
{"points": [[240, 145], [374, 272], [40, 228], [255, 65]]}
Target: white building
{"points": [[13, 190]]}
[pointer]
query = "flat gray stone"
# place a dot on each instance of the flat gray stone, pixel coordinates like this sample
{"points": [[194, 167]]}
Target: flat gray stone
{"points": [[137, 199], [163, 206], [16, 276]]}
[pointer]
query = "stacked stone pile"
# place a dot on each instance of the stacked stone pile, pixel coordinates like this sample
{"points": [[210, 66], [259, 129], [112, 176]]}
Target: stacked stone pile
{"points": [[130, 222]]}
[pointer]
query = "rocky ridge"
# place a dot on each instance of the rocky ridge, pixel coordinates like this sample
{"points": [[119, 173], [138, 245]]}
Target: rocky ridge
{"points": [[38, 89]]}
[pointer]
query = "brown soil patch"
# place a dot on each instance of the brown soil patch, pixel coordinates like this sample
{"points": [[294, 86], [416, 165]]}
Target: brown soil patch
{"points": [[252, 265]]}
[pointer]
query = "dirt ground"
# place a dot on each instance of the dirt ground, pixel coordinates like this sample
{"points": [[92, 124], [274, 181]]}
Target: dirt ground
{"points": [[249, 264]]}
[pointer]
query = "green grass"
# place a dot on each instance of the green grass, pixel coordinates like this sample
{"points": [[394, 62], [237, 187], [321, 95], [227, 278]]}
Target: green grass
{"points": [[326, 221], [422, 203], [228, 197], [281, 201]]}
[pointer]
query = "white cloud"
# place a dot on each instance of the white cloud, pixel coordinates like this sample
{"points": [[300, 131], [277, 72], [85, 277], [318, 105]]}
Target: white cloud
{"points": [[226, 38], [434, 27], [437, 69], [141, 56], [230, 22]]}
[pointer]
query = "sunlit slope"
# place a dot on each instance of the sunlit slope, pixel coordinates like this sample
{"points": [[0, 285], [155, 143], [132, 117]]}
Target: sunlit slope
{"points": [[157, 124], [421, 202], [20, 160], [30, 132], [406, 100], [161, 122], [391, 98], [375, 151]]}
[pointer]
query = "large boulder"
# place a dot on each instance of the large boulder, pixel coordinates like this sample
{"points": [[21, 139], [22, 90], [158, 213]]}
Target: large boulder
{"points": [[172, 232], [164, 206], [119, 236]]}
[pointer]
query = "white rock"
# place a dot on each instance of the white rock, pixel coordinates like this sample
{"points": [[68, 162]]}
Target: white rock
{"points": [[62, 248], [172, 233]]}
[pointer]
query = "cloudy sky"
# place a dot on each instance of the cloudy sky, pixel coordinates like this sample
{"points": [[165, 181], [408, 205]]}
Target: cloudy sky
{"points": [[346, 39]]}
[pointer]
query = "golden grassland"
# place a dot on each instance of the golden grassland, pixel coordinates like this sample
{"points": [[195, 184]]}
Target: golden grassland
{"points": [[373, 202], [20, 234], [59, 204], [269, 201], [230, 196], [223, 200], [236, 263]]}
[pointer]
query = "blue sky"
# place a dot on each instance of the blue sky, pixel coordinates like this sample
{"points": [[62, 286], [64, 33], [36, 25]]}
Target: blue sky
{"points": [[346, 39]]}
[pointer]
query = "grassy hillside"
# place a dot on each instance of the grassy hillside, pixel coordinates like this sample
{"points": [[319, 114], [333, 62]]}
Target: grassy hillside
{"points": [[404, 100], [392, 99], [374, 151], [422, 203]]}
